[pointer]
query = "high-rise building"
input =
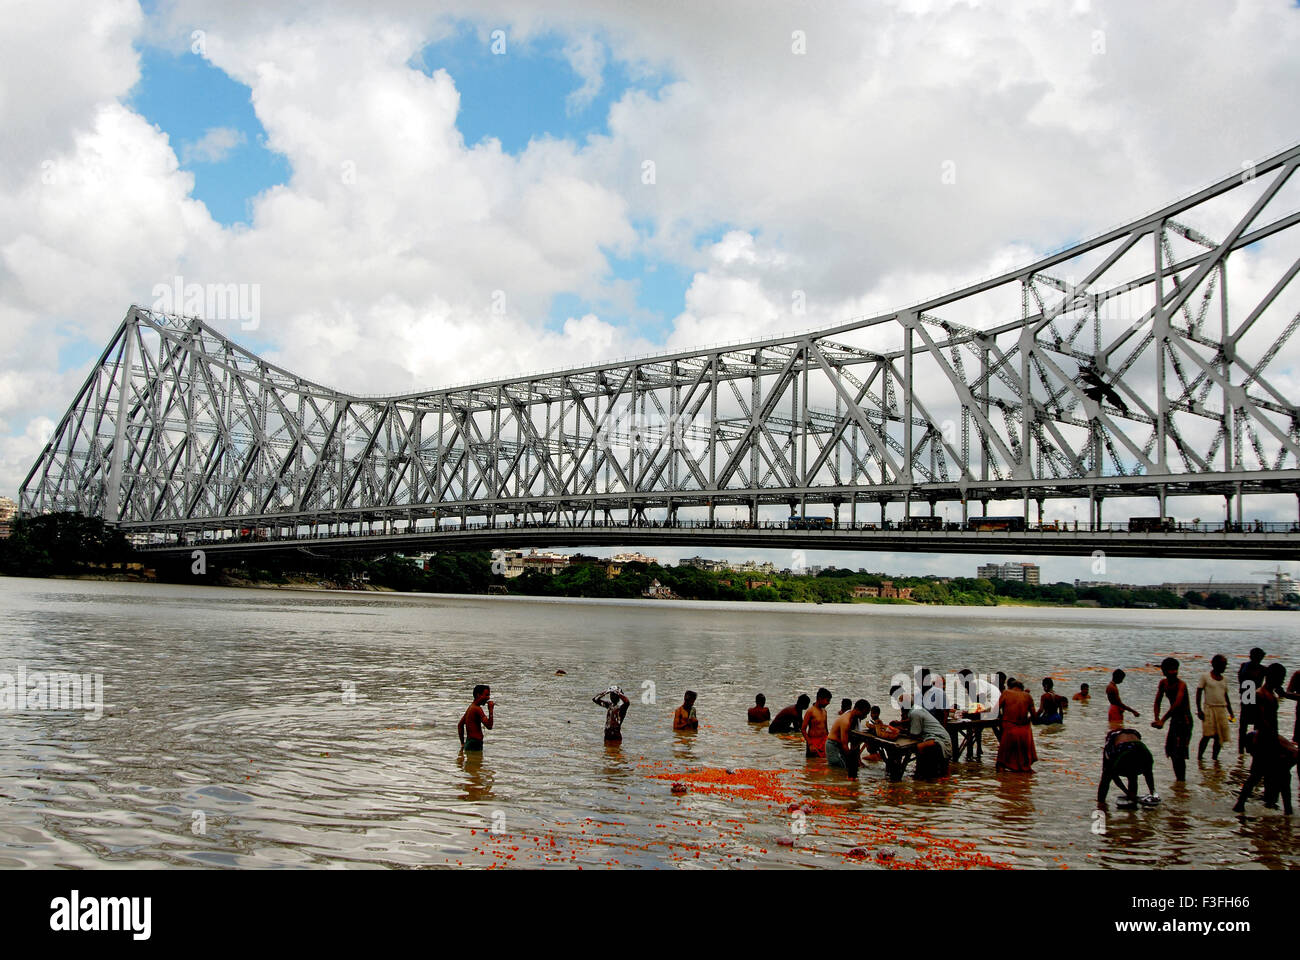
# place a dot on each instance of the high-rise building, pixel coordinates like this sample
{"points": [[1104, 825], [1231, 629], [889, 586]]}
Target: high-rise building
{"points": [[7, 509]]}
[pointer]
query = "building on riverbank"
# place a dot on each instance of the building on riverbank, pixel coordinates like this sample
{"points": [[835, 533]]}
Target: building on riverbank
{"points": [[1012, 572], [1247, 591], [703, 563]]}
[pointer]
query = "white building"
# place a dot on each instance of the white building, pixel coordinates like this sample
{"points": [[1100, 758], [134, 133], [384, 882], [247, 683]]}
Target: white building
{"points": [[621, 558], [1017, 572], [703, 563]]}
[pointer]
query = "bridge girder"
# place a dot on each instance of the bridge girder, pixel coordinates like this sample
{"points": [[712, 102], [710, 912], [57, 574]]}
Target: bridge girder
{"points": [[1143, 374]]}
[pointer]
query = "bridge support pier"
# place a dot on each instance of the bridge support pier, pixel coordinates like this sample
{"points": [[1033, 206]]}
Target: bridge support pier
{"points": [[1160, 494]]}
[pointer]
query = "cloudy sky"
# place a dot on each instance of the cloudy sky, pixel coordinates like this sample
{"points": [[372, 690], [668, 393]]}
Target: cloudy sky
{"points": [[613, 178]]}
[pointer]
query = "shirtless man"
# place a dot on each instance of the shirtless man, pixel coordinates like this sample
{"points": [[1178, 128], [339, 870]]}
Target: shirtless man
{"points": [[843, 750], [615, 712], [1250, 677], [1083, 693], [1271, 763], [1117, 706], [471, 725], [814, 728], [1178, 716], [759, 713], [684, 716], [790, 720]]}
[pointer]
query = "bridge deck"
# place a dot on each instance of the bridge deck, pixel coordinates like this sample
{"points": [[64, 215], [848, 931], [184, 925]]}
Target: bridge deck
{"points": [[1267, 544]]}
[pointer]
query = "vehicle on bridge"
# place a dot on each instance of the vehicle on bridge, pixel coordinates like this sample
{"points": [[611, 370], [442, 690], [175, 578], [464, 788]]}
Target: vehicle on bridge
{"points": [[999, 524], [811, 523], [251, 534], [1152, 524], [921, 523]]}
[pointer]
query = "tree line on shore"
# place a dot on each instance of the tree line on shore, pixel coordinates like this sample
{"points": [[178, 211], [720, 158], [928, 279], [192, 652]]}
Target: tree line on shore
{"points": [[71, 544]]}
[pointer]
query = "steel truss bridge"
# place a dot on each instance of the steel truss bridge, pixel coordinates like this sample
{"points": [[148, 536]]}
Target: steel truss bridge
{"points": [[1151, 361]]}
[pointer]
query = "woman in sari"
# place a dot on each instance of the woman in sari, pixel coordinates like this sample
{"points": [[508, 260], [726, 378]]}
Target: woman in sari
{"points": [[1016, 750]]}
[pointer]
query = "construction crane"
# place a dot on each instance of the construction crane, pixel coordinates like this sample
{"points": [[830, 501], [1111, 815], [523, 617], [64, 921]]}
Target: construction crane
{"points": [[1279, 587]]}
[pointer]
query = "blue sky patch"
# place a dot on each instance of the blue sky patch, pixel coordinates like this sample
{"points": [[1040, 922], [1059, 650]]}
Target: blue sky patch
{"points": [[186, 97], [523, 92]]}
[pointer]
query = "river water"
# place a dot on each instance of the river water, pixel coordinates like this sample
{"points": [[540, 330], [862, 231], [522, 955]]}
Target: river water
{"points": [[271, 728]]}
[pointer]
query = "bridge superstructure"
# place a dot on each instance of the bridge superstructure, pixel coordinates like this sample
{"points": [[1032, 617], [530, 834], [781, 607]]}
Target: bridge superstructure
{"points": [[1149, 361]]}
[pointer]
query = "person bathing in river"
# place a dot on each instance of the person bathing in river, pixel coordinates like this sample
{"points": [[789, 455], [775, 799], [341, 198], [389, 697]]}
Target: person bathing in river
{"points": [[842, 749], [790, 719], [1016, 751], [1250, 677], [615, 712], [1178, 716], [1117, 706], [684, 717], [1272, 760], [1213, 707], [1126, 757], [1083, 693], [814, 728], [1051, 708], [759, 713], [471, 725], [934, 752]]}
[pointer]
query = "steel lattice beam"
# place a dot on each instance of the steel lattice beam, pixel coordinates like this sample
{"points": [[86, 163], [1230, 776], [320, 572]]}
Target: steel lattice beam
{"points": [[1117, 382]]}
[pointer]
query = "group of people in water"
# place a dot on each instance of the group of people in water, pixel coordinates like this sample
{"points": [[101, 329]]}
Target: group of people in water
{"points": [[1260, 692], [858, 732]]}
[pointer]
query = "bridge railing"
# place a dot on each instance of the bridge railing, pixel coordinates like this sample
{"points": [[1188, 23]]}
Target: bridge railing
{"points": [[971, 528]]}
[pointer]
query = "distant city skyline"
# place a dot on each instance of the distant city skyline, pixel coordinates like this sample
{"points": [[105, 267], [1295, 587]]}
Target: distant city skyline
{"points": [[1054, 569]]}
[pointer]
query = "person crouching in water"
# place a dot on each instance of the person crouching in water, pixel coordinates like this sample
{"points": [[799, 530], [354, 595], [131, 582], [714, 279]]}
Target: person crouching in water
{"points": [[842, 750], [1125, 757], [759, 713], [934, 752], [615, 712]]}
